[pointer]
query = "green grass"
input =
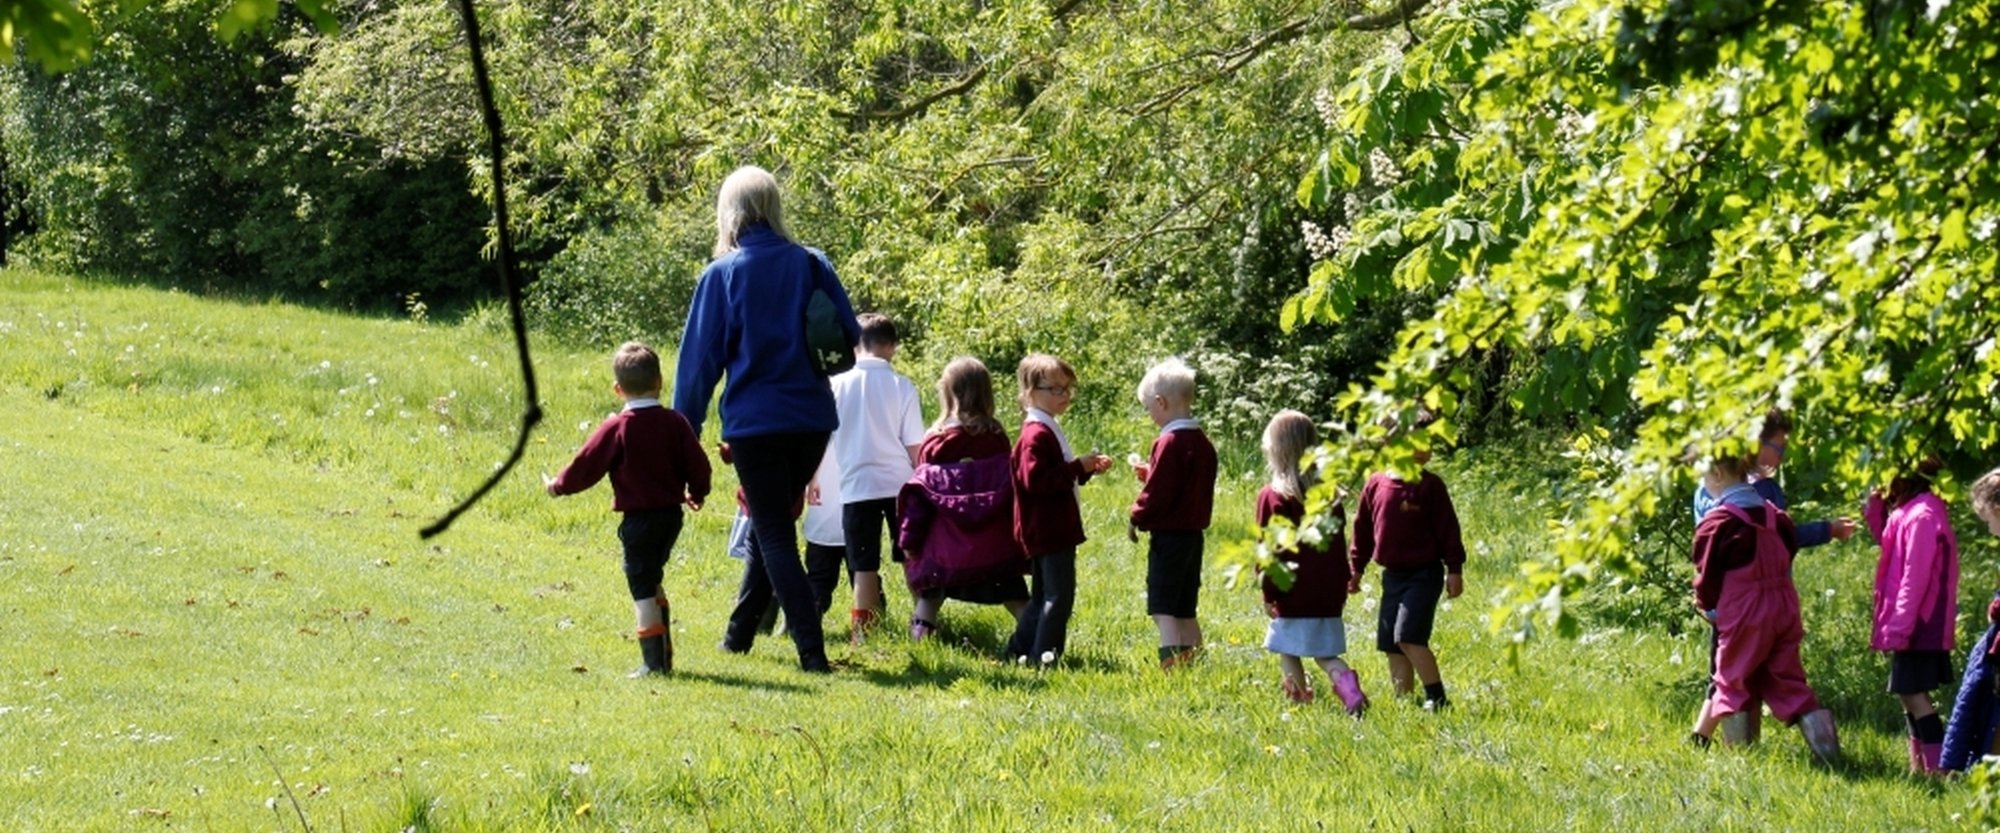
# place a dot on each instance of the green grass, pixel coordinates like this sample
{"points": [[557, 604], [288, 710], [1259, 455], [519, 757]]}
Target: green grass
{"points": [[221, 618]]}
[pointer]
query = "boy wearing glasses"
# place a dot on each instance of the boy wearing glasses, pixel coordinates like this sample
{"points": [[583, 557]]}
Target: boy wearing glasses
{"points": [[1174, 504], [1047, 519]]}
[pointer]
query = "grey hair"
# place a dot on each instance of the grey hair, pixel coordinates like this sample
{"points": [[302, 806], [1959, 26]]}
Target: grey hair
{"points": [[749, 195]]}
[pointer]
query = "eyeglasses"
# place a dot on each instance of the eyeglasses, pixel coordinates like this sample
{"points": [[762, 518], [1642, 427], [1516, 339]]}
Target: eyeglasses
{"points": [[1057, 390]]}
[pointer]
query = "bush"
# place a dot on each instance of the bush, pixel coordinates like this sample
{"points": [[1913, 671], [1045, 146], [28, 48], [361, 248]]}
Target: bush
{"points": [[633, 280]]}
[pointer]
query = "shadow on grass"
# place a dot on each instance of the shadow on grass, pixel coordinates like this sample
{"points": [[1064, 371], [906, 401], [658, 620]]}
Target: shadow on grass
{"points": [[736, 680]]}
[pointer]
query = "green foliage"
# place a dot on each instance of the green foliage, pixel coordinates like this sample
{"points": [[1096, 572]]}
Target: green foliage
{"points": [[1111, 185], [630, 281], [1672, 216], [174, 157], [59, 34]]}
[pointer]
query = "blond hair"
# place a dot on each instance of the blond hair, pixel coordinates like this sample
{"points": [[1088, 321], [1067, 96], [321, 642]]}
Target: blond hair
{"points": [[1286, 440], [965, 395], [1986, 493], [636, 368], [1172, 380], [1037, 370], [748, 196]]}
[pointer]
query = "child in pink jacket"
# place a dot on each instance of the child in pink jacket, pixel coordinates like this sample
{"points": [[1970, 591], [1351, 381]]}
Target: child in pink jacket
{"points": [[1916, 602]]}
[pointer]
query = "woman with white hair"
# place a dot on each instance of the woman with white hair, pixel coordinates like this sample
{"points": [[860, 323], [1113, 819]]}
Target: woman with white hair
{"points": [[747, 324]]}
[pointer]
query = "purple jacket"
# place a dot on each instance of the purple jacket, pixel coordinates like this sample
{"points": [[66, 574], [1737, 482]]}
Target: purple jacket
{"points": [[1916, 582], [956, 524]]}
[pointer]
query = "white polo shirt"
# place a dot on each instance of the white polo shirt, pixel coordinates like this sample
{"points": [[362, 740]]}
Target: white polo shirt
{"points": [[822, 523], [880, 417]]}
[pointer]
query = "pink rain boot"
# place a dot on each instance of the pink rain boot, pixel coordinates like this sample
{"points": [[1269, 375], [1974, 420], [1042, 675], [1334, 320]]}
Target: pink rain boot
{"points": [[1928, 760], [1347, 684]]}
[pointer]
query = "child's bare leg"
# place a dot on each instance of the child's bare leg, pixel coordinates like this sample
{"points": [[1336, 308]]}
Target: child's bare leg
{"points": [[1400, 674], [868, 591], [1705, 720], [1169, 628], [1918, 705], [1332, 665], [1421, 660], [1190, 632], [1297, 689], [1702, 725]]}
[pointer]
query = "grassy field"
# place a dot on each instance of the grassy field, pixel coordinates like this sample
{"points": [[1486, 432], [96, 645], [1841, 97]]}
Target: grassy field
{"points": [[221, 618]]}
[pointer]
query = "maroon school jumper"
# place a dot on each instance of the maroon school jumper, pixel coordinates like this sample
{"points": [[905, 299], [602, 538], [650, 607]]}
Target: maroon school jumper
{"points": [[1406, 526], [652, 455], [1319, 577], [1179, 492], [955, 444], [1046, 516]]}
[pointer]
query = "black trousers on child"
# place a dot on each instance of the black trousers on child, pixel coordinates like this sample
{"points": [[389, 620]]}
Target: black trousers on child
{"points": [[1043, 628], [754, 613]]}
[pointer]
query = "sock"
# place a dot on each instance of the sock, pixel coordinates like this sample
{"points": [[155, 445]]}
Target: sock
{"points": [[1700, 741], [1910, 720], [648, 613], [1167, 652], [1928, 729], [1434, 691]]}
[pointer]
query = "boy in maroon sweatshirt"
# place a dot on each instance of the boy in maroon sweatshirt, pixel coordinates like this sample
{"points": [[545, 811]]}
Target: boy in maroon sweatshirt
{"points": [[1174, 504], [1410, 529], [656, 464]]}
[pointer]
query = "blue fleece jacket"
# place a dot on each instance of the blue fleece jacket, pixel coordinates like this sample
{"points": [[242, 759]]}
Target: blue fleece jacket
{"points": [[747, 322], [1811, 534]]}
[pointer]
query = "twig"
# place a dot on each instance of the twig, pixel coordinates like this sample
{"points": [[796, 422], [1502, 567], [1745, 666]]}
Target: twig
{"points": [[915, 108], [303, 824], [1388, 18], [531, 415]]}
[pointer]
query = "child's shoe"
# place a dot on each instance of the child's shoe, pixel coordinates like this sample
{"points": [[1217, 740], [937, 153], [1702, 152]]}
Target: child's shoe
{"points": [[1297, 690], [921, 629], [1821, 736], [1930, 758], [860, 621], [655, 650], [1347, 684]]}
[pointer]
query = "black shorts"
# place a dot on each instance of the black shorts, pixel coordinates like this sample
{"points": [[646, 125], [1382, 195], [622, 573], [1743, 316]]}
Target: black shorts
{"points": [[1173, 573], [862, 524], [648, 536], [1919, 672], [1409, 607]]}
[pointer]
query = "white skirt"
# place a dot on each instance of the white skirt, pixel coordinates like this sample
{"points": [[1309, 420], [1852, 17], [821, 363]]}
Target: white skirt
{"points": [[1319, 638]]}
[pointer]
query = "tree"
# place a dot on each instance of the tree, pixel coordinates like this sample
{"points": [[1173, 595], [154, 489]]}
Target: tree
{"points": [[60, 34], [1668, 217], [1110, 181]]}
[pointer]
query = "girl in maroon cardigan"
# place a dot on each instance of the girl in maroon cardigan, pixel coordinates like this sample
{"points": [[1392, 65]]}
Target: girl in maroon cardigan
{"points": [[1047, 519], [1305, 617]]}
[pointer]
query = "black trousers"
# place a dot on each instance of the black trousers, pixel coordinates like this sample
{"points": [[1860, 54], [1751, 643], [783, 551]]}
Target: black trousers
{"points": [[1044, 624], [774, 470]]}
